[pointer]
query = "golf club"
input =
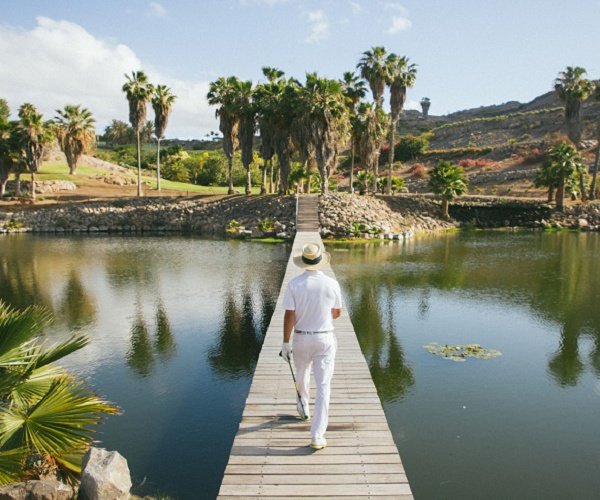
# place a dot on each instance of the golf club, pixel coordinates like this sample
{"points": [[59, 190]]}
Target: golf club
{"points": [[303, 412]]}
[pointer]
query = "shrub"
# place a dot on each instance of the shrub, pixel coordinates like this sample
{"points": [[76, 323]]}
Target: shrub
{"points": [[233, 226], [409, 147]]}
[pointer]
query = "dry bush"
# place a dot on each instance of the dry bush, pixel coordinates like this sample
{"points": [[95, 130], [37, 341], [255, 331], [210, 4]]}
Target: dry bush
{"points": [[418, 171], [476, 163]]}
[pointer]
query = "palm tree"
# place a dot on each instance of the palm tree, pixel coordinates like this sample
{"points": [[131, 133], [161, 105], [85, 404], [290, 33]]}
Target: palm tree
{"points": [[44, 411], [447, 181], [565, 162], [354, 90], [593, 188], [5, 147], [573, 89], [222, 93], [162, 102], [118, 133], [370, 125], [323, 119], [272, 74], [264, 95], [246, 111], [425, 105], [35, 135], [74, 129], [373, 68], [138, 91], [401, 75]]}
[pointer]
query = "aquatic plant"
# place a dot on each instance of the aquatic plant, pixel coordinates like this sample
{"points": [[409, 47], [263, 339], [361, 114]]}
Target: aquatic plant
{"points": [[461, 352]]}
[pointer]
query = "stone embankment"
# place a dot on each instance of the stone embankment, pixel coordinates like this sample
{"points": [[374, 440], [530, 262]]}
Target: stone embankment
{"points": [[341, 216], [159, 215]]}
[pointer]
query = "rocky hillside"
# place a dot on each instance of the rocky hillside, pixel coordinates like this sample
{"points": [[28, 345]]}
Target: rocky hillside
{"points": [[498, 125]]}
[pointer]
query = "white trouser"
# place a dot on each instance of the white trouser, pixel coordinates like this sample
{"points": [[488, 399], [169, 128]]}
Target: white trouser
{"points": [[318, 351]]}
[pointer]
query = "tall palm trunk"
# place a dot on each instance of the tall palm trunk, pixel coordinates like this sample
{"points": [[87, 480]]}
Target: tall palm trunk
{"points": [[550, 194], [230, 174], [139, 159], [308, 183], [352, 169], [263, 183], [158, 164], [582, 183], [248, 181], [32, 193], [388, 188], [375, 175], [595, 172], [2, 188], [560, 193], [17, 184], [271, 176]]}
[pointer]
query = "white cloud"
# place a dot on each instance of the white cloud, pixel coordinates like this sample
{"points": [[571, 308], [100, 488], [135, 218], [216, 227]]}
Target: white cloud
{"points": [[399, 23], [399, 20], [355, 7], [59, 62], [319, 29], [156, 10], [412, 104]]}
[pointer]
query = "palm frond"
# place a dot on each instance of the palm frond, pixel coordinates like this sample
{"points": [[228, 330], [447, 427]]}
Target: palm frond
{"points": [[60, 421], [18, 327], [11, 462], [61, 350]]}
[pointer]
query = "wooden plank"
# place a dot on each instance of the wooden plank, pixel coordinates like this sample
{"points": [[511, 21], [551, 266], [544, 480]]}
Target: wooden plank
{"points": [[314, 479], [317, 490], [270, 456]]}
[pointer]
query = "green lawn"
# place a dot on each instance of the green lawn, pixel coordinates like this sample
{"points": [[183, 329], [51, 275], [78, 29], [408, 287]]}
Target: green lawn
{"points": [[60, 171]]}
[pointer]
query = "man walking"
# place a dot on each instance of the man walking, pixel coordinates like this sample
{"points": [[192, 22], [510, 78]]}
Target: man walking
{"points": [[311, 302]]}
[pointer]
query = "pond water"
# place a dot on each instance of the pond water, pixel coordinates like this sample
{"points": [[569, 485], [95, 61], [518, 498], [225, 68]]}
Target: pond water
{"points": [[523, 425], [177, 323], [176, 326]]}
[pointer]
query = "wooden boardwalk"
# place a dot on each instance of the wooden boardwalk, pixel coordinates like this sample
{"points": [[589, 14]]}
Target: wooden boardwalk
{"points": [[270, 456]]}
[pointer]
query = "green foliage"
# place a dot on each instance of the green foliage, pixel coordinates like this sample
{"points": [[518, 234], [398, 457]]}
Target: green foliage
{"points": [[362, 181], [447, 180], [410, 146], [458, 152], [44, 411], [397, 185], [266, 225], [4, 110], [233, 226], [358, 228], [13, 224]]}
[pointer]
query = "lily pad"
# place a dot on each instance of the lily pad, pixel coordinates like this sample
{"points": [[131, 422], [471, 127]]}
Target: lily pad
{"points": [[460, 353]]}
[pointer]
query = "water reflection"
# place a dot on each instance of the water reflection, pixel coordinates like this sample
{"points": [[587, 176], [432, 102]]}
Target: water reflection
{"points": [[164, 342], [556, 276], [240, 337], [77, 306], [140, 356], [380, 344]]}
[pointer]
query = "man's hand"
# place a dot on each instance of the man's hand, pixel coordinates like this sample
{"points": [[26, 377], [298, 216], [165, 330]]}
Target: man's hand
{"points": [[286, 351]]}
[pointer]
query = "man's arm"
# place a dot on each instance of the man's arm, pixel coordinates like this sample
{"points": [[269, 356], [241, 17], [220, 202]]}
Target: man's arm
{"points": [[335, 313], [289, 318]]}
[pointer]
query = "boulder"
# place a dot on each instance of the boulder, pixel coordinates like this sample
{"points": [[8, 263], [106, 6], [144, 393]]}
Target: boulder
{"points": [[105, 476], [48, 489]]}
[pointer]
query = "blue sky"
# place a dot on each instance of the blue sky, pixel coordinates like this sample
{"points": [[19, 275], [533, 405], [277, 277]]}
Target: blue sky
{"points": [[469, 53]]}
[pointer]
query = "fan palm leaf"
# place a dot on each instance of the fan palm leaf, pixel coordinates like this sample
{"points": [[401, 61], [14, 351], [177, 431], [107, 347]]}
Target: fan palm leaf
{"points": [[11, 464], [373, 68]]}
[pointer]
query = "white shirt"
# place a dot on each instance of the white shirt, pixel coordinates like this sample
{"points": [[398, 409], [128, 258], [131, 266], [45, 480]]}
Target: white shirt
{"points": [[312, 295]]}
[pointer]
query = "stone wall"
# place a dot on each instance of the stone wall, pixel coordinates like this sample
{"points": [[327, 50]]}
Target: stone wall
{"points": [[160, 215]]}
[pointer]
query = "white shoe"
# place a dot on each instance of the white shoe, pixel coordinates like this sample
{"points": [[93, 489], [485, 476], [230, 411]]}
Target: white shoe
{"points": [[318, 443], [304, 416]]}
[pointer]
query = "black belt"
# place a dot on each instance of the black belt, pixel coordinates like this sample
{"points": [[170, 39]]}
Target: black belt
{"points": [[305, 332]]}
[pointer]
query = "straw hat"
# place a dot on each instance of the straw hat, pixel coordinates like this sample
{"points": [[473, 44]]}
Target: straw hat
{"points": [[312, 257]]}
